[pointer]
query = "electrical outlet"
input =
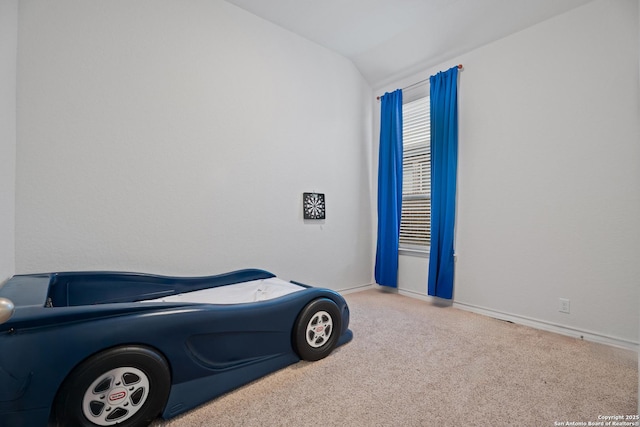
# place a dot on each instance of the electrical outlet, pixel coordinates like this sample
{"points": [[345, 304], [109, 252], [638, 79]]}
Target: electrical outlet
{"points": [[564, 306]]}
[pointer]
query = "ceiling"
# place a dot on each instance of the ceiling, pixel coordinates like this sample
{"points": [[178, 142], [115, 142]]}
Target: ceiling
{"points": [[390, 39]]}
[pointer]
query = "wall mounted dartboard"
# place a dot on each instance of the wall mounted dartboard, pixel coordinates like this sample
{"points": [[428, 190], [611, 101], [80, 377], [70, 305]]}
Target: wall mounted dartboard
{"points": [[313, 206]]}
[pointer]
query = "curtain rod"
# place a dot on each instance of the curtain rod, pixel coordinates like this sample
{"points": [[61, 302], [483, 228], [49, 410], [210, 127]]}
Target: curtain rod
{"points": [[418, 83]]}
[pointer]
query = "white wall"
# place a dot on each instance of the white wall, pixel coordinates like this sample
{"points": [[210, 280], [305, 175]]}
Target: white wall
{"points": [[178, 137], [8, 58], [548, 200]]}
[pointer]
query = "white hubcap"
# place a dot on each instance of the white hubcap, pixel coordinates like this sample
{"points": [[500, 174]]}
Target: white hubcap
{"points": [[319, 329], [115, 396]]}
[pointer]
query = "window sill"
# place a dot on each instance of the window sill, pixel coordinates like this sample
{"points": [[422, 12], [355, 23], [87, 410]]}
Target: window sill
{"points": [[420, 253]]}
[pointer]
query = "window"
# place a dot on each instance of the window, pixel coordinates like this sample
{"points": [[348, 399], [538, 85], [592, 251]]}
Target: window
{"points": [[415, 224]]}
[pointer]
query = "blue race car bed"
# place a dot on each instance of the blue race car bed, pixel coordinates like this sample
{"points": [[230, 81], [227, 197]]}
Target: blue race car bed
{"points": [[106, 348]]}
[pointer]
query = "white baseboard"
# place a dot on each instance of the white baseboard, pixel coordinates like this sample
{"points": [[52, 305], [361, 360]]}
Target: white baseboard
{"points": [[423, 297], [551, 327], [356, 289]]}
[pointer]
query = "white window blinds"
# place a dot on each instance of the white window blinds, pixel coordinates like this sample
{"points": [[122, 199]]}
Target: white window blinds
{"points": [[415, 224]]}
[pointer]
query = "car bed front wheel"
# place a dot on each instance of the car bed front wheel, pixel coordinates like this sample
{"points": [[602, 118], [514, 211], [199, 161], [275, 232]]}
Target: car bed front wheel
{"points": [[317, 329], [127, 386]]}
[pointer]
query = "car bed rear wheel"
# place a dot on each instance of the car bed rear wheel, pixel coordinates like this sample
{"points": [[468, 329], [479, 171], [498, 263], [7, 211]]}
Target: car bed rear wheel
{"points": [[317, 329], [127, 386]]}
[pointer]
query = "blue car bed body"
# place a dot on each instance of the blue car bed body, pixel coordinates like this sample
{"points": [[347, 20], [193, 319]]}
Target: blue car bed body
{"points": [[106, 348]]}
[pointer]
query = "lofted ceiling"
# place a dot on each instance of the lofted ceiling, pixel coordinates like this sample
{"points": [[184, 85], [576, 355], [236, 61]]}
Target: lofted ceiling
{"points": [[388, 39]]}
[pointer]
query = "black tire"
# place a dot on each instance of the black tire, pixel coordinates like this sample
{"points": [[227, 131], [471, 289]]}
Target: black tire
{"points": [[127, 386], [317, 329]]}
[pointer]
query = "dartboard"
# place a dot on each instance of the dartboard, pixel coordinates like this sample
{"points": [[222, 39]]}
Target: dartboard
{"points": [[313, 206]]}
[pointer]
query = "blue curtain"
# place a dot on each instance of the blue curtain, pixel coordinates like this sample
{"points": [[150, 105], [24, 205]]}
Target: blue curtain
{"points": [[389, 189], [444, 164]]}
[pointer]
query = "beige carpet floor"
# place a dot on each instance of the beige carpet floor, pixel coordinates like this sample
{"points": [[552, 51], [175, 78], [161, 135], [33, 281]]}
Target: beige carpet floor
{"points": [[415, 364]]}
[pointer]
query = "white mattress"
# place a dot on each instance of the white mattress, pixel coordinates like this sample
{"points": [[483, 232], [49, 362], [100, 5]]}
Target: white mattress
{"points": [[252, 291]]}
